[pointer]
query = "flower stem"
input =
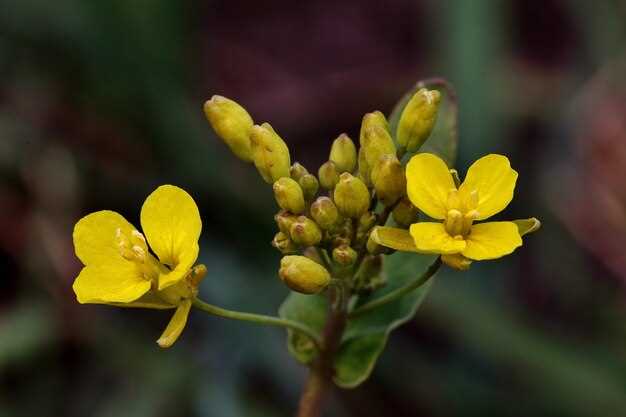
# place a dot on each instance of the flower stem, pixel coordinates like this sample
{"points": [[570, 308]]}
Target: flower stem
{"points": [[399, 292], [258, 319]]}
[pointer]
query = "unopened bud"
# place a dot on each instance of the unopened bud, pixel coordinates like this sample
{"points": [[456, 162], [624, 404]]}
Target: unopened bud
{"points": [[367, 221], [303, 275], [351, 196], [325, 213], [370, 276], [328, 175], [364, 168], [285, 245], [456, 261], [305, 232], [284, 220], [405, 213], [289, 195], [344, 255], [375, 139], [270, 153], [309, 185], [418, 119], [389, 179], [232, 123], [343, 153], [297, 170]]}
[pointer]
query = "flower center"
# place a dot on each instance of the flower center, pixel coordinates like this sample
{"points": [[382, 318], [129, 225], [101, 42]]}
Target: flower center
{"points": [[461, 214], [134, 248]]}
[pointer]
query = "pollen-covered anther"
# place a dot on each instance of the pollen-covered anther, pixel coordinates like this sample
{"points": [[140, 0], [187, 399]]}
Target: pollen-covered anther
{"points": [[468, 220], [454, 223], [140, 253]]}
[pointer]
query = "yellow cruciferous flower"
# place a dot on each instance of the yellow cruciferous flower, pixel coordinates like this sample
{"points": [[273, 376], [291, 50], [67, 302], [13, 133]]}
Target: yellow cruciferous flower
{"points": [[487, 190], [120, 268]]}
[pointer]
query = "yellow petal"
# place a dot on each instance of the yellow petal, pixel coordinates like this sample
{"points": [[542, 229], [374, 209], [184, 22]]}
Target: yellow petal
{"points": [[95, 237], [171, 223], [428, 184], [394, 238], [176, 325], [494, 180], [525, 226], [114, 282], [433, 238], [492, 240], [148, 300]]}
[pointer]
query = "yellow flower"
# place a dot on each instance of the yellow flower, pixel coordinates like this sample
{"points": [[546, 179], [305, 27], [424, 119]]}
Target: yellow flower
{"points": [[120, 269], [487, 190]]}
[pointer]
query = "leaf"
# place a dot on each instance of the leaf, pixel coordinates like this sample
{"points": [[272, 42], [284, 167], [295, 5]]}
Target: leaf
{"points": [[307, 309], [443, 140], [366, 335]]}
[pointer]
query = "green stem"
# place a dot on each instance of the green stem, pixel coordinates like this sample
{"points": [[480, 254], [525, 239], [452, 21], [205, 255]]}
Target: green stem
{"points": [[399, 292], [258, 319]]}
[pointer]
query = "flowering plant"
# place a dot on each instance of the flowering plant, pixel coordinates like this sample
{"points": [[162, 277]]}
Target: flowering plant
{"points": [[343, 233]]}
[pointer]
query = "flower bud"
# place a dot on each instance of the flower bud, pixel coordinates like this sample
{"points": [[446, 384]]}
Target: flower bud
{"points": [[389, 179], [405, 213], [269, 152], [328, 175], [284, 220], [351, 196], [370, 276], [309, 185], [343, 154], [418, 119], [344, 255], [366, 222], [285, 245], [364, 168], [456, 261], [377, 143], [325, 213], [305, 232], [297, 170], [289, 195], [232, 123], [375, 248], [303, 275], [375, 118]]}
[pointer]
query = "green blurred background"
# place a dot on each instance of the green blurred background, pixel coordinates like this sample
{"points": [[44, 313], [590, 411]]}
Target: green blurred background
{"points": [[101, 101]]}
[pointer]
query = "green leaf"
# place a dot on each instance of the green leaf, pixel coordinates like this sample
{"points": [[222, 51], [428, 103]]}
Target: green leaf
{"points": [[444, 139], [307, 309], [366, 335]]}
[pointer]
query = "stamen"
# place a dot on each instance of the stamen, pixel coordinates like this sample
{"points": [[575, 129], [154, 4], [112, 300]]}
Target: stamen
{"points": [[137, 237], [454, 222], [468, 219], [472, 202], [140, 253]]}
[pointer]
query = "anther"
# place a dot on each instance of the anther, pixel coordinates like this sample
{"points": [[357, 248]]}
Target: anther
{"points": [[453, 202], [454, 222]]}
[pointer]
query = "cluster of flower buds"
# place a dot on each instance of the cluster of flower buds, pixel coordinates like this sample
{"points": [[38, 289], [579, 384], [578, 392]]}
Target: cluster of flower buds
{"points": [[325, 221]]}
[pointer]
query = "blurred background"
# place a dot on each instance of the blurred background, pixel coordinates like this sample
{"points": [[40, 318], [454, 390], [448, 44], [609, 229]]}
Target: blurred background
{"points": [[101, 102]]}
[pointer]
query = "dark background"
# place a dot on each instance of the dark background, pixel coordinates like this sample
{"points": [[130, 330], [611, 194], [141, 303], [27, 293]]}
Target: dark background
{"points": [[101, 101]]}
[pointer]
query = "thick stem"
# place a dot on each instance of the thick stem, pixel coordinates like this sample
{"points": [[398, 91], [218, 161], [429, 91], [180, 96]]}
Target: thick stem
{"points": [[320, 376]]}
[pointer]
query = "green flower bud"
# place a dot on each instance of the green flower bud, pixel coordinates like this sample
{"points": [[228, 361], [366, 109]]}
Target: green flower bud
{"points": [[328, 175], [305, 232], [343, 154], [366, 222], [344, 255], [405, 213], [284, 220], [325, 213], [364, 168], [269, 152], [375, 118], [303, 275], [289, 195], [370, 276], [232, 123], [389, 180], [376, 143], [309, 185], [351, 196], [418, 119], [297, 170], [285, 245]]}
